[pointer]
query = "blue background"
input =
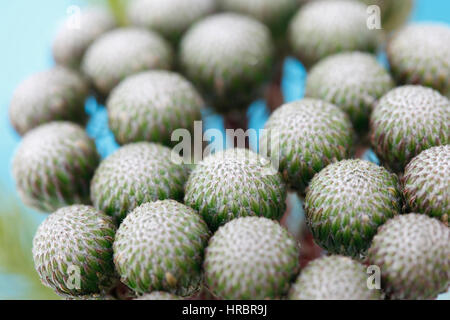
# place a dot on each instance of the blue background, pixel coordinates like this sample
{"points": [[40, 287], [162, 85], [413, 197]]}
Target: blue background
{"points": [[26, 32]]}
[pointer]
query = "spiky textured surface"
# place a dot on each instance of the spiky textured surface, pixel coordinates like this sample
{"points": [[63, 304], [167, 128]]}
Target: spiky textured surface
{"points": [[135, 174], [55, 94], [123, 52], [322, 28], [74, 37], [420, 54], [413, 253], [426, 183], [347, 201], [75, 239], [160, 246], [53, 166], [406, 121], [159, 295], [149, 106], [353, 81], [333, 278], [275, 14], [171, 18], [251, 258], [228, 56], [94, 297], [307, 135], [235, 183], [394, 13]]}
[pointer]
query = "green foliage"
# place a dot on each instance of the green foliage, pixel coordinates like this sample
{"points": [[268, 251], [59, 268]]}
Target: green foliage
{"points": [[17, 228], [117, 7]]}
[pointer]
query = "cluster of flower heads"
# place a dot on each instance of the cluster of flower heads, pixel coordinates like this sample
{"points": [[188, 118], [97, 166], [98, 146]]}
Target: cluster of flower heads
{"points": [[145, 219]]}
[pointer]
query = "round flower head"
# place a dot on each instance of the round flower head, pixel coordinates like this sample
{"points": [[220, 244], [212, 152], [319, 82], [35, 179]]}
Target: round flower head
{"points": [[123, 52], [322, 28], [228, 57], [170, 18], [305, 136], [51, 95], [76, 241], [151, 105], [412, 253], [426, 183], [137, 173], [160, 246], [53, 166], [406, 121], [251, 258], [420, 54], [352, 81], [235, 183], [74, 37]]}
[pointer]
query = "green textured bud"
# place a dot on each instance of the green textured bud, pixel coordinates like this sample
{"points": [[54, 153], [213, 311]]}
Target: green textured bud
{"points": [[306, 135], [347, 201], [55, 94], [160, 246], [159, 295], [228, 57], [135, 174], [420, 54], [251, 258], [406, 121], [123, 52], [53, 166], [74, 37], [72, 251], [352, 81], [171, 18], [235, 183], [323, 28], [150, 106], [333, 278], [275, 14], [426, 183], [93, 297], [413, 253]]}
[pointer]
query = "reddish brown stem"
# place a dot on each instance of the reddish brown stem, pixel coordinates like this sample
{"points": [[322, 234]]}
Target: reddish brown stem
{"points": [[236, 120], [361, 147], [274, 94], [309, 250]]}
